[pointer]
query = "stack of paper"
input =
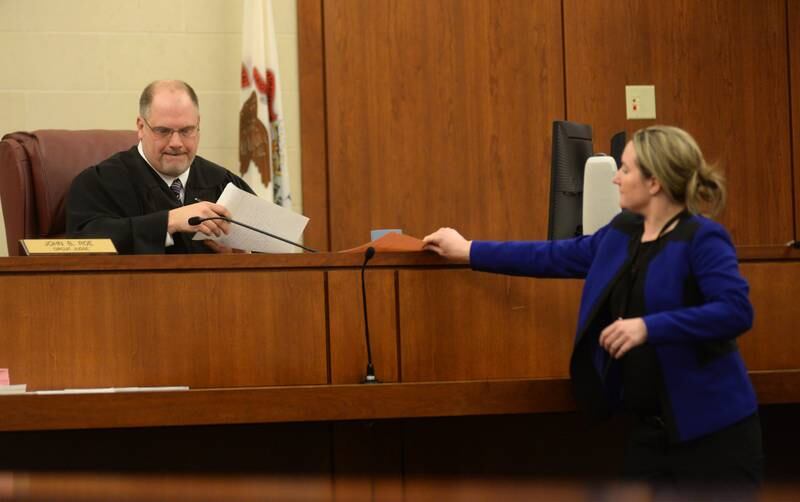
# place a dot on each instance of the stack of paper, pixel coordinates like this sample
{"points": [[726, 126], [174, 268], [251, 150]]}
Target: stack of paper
{"points": [[111, 390], [258, 213]]}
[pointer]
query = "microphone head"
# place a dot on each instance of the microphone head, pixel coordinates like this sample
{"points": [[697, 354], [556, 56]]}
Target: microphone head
{"points": [[195, 220], [369, 253]]}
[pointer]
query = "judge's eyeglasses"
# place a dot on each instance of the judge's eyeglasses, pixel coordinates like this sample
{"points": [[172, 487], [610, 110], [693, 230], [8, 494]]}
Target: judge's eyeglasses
{"points": [[187, 132]]}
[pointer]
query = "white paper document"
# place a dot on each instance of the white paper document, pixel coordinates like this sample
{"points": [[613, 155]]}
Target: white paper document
{"points": [[258, 213], [13, 389], [111, 390]]}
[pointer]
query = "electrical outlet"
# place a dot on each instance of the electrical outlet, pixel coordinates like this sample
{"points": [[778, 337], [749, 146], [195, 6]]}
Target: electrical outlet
{"points": [[640, 102]]}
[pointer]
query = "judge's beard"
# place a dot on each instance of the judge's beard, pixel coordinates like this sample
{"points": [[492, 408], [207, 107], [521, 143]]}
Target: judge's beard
{"points": [[174, 168]]}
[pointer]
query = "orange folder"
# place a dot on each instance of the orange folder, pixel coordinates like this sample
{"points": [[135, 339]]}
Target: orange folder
{"points": [[390, 243]]}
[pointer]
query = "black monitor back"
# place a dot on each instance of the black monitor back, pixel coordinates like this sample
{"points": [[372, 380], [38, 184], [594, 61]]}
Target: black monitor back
{"points": [[618, 142], [572, 145]]}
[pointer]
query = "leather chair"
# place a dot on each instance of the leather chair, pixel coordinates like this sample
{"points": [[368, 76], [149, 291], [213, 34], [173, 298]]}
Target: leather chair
{"points": [[36, 171]]}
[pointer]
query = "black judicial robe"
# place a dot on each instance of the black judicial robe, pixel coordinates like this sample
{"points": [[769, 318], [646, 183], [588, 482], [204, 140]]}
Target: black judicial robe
{"points": [[124, 199]]}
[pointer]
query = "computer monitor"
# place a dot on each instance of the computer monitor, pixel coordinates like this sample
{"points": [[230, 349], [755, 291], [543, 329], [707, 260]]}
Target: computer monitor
{"points": [[618, 142], [572, 145]]}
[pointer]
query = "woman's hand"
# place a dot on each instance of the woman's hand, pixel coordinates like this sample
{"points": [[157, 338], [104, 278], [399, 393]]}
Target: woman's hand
{"points": [[622, 335], [448, 243]]}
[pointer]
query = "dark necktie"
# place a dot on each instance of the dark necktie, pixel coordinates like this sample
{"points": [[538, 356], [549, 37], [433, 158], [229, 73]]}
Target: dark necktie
{"points": [[176, 188]]}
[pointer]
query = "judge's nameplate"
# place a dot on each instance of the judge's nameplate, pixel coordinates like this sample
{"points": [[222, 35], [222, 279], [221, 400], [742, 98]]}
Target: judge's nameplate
{"points": [[49, 247]]}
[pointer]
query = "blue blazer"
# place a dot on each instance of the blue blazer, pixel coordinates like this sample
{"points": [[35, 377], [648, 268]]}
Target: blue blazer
{"points": [[696, 304]]}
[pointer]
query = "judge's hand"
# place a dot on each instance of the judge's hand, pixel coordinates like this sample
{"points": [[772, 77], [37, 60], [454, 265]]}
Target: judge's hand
{"points": [[178, 220], [448, 243], [622, 335], [219, 248]]}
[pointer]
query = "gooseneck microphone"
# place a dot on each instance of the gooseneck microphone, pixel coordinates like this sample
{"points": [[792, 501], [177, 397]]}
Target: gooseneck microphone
{"points": [[196, 220], [370, 378]]}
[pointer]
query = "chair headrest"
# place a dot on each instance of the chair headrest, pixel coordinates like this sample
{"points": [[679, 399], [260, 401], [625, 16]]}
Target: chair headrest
{"points": [[57, 156]]}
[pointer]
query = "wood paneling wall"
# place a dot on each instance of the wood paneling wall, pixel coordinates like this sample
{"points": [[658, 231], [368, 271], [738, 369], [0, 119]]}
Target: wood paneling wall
{"points": [[793, 25], [311, 67], [348, 345], [773, 343], [720, 71], [438, 113], [462, 325], [147, 341], [296, 325]]}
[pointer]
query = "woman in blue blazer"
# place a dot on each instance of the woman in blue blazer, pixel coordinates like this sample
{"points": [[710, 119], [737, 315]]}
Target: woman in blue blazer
{"points": [[662, 305]]}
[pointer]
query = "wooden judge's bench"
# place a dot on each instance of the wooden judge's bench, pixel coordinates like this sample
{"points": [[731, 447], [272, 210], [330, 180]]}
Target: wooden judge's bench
{"points": [[473, 373]]}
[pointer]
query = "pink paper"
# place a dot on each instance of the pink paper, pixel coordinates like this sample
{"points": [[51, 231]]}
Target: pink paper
{"points": [[4, 380]]}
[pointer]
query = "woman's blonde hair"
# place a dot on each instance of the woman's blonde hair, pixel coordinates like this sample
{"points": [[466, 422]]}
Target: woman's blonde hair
{"points": [[673, 157]]}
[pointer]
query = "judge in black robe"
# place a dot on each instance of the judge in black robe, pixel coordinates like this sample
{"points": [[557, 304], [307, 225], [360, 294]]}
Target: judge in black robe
{"points": [[124, 199]]}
